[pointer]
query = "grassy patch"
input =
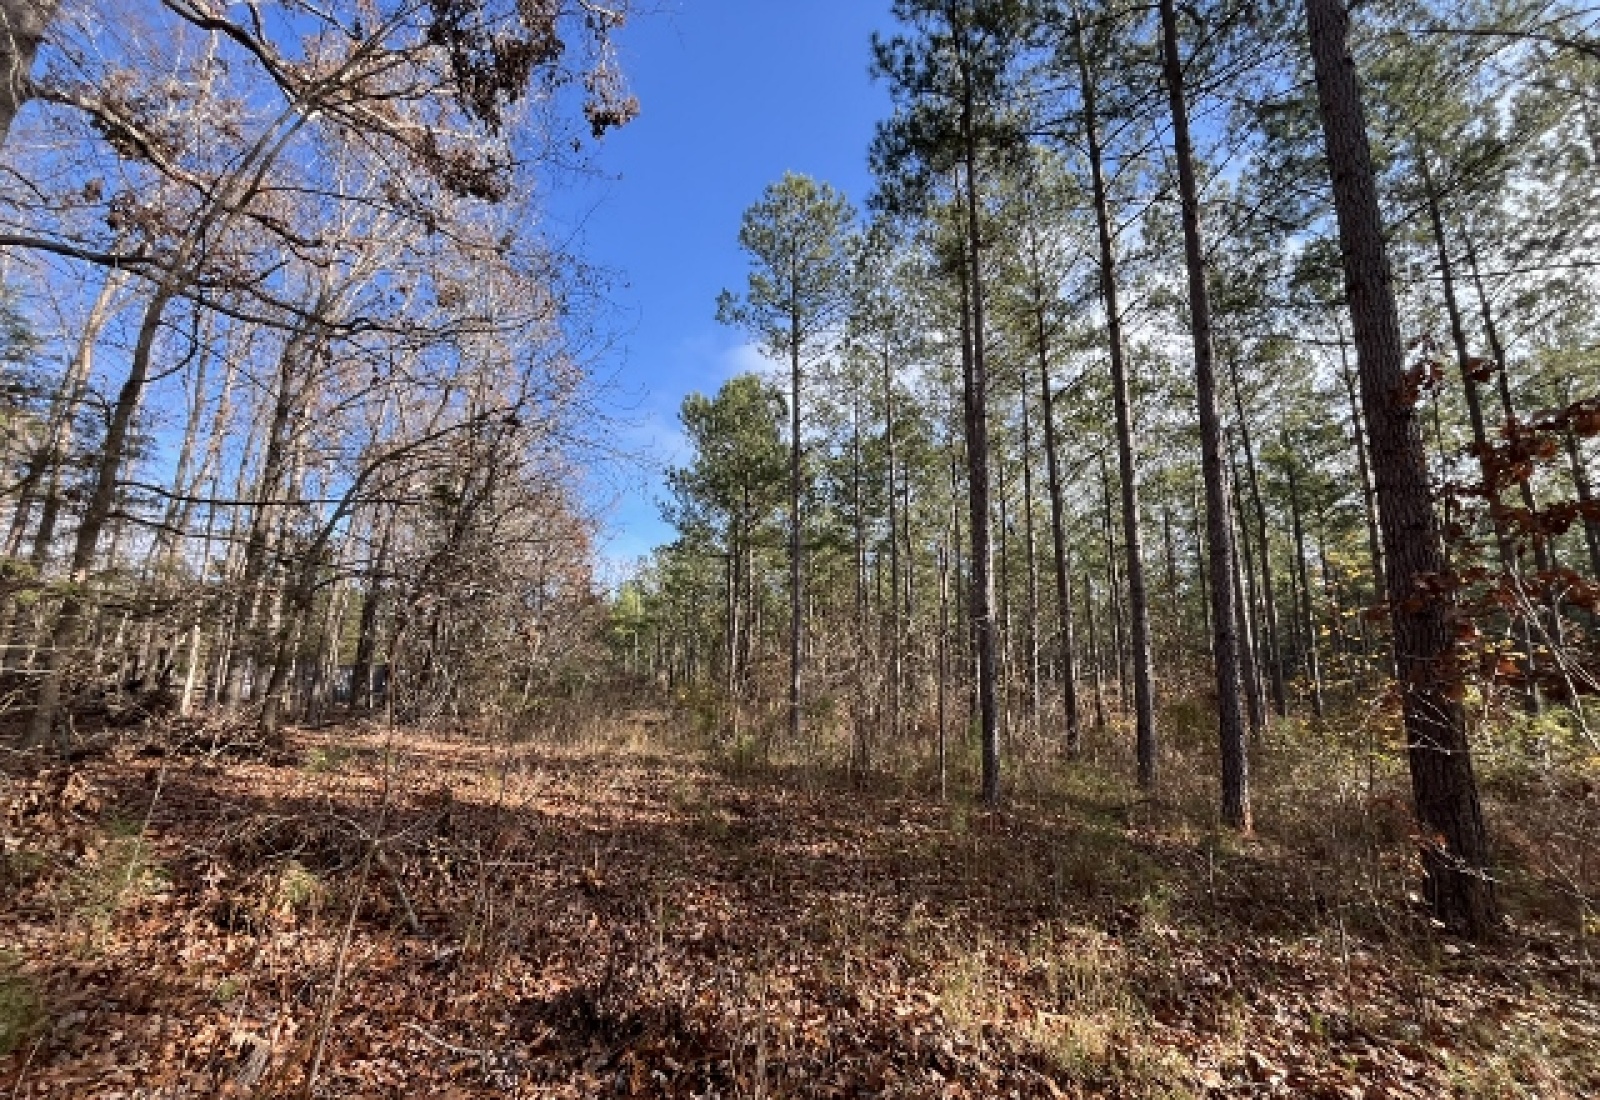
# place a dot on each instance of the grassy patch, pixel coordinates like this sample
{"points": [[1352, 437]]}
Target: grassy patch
{"points": [[327, 759], [119, 875], [21, 1008]]}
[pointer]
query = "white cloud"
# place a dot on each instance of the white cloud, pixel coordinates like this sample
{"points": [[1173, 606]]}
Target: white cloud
{"points": [[650, 439], [745, 358]]}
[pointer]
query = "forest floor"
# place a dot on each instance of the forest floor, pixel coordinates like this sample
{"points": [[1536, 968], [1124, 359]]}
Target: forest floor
{"points": [[372, 914]]}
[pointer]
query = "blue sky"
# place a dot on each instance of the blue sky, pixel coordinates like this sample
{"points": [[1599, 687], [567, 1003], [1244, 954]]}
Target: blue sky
{"points": [[733, 94]]}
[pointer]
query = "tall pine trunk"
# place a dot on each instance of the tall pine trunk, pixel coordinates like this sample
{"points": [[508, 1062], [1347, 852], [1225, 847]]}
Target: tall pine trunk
{"points": [[1144, 697], [1098, 678], [1030, 638], [1219, 532], [1307, 615], [796, 470], [895, 651], [981, 595], [975, 410], [1061, 558], [1456, 851], [1269, 596], [1255, 695]]}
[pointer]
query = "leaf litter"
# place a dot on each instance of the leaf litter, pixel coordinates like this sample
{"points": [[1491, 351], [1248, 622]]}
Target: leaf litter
{"points": [[431, 915]]}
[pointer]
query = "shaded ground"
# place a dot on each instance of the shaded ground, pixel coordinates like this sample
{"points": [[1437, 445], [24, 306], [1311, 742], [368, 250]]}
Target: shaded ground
{"points": [[434, 916]]}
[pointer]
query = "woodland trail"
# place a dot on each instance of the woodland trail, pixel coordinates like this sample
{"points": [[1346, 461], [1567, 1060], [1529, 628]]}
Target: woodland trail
{"points": [[430, 915]]}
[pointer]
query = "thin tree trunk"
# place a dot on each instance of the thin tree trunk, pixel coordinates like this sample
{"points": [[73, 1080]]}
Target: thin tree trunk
{"points": [[895, 654], [1219, 532], [1543, 555], [1504, 545], [730, 614], [1058, 538], [228, 202], [1143, 678], [251, 597], [1585, 491], [1464, 365], [296, 606], [1369, 495], [1119, 648], [862, 722], [1456, 851], [227, 627], [1007, 637], [1255, 693], [191, 672], [1202, 570], [96, 515], [1098, 679], [796, 471], [1169, 545], [976, 421], [44, 473], [162, 558], [981, 557], [1030, 637], [1335, 598], [963, 605], [1308, 620], [1269, 596], [942, 701], [1542, 558]]}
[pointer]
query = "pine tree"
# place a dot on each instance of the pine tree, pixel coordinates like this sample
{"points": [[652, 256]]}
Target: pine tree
{"points": [[1455, 853], [949, 77], [795, 300]]}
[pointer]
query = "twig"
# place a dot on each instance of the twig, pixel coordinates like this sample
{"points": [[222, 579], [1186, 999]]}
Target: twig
{"points": [[448, 1047], [413, 925], [349, 930], [338, 978], [16, 1090]]}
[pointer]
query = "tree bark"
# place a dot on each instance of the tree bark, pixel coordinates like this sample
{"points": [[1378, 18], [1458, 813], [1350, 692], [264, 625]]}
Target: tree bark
{"points": [[1139, 609], [975, 420], [96, 515], [44, 471], [1219, 532], [250, 601], [1108, 534], [796, 471], [1308, 621], [180, 272], [862, 717], [1585, 491], [895, 649], [1030, 637], [1369, 496], [1455, 853], [23, 24], [1269, 595], [1061, 553], [1254, 693], [1098, 677]]}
